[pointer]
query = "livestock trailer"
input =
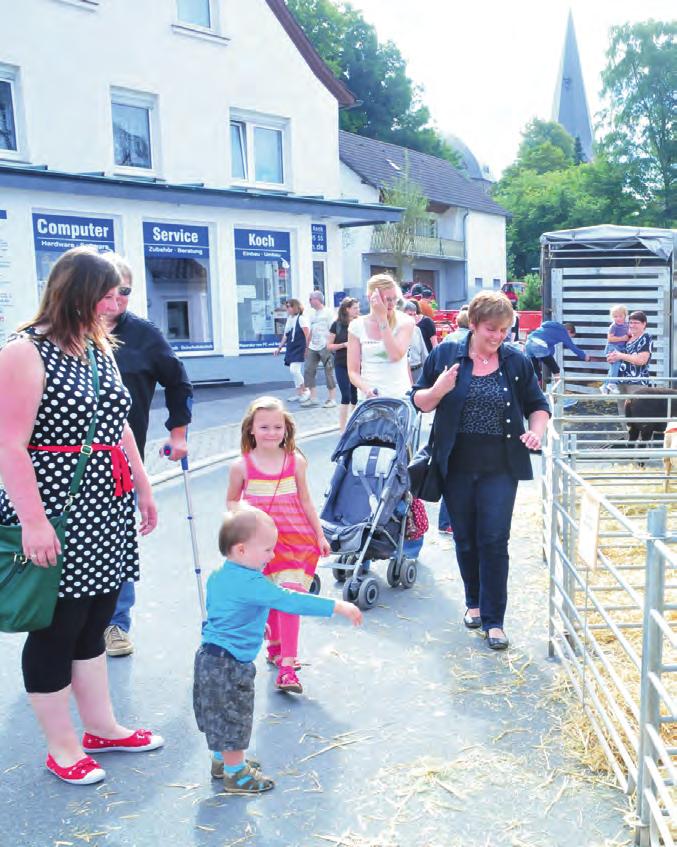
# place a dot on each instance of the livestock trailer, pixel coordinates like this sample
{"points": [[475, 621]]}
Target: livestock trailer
{"points": [[586, 271]]}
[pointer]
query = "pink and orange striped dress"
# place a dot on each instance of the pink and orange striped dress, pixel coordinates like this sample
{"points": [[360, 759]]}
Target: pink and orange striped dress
{"points": [[297, 551]]}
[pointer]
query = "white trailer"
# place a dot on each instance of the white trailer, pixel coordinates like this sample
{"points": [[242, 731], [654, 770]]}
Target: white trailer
{"points": [[586, 271]]}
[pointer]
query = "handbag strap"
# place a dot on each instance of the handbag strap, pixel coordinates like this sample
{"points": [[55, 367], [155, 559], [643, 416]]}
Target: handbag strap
{"points": [[86, 450]]}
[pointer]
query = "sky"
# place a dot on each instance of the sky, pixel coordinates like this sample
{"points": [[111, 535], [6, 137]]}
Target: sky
{"points": [[489, 66]]}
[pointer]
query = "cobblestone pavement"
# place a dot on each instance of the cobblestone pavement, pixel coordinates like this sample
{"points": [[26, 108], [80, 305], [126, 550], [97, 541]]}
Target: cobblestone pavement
{"points": [[411, 732]]}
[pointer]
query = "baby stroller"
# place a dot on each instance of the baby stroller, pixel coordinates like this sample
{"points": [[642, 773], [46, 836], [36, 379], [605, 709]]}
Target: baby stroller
{"points": [[365, 511]]}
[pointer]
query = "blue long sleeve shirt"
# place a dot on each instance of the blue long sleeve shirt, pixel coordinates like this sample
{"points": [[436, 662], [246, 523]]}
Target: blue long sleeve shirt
{"points": [[238, 602], [542, 341]]}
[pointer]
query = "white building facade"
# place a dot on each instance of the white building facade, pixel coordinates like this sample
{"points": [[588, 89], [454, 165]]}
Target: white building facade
{"points": [[199, 139], [461, 246]]}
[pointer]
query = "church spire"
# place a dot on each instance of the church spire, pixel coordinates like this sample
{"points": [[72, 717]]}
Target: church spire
{"points": [[570, 107]]}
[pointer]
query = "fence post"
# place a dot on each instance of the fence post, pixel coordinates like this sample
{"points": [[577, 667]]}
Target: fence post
{"points": [[649, 703], [555, 477]]}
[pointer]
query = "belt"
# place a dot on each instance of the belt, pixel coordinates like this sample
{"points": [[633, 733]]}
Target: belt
{"points": [[120, 466], [215, 650]]}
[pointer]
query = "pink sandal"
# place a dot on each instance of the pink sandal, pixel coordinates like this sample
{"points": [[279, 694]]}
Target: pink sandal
{"points": [[84, 772], [288, 681], [273, 657], [137, 742]]}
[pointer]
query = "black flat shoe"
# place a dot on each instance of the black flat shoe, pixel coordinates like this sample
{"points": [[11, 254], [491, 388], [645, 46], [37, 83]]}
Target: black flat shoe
{"points": [[472, 621], [500, 643]]}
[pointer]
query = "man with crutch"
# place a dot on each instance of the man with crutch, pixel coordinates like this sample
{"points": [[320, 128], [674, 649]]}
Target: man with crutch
{"points": [[145, 359]]}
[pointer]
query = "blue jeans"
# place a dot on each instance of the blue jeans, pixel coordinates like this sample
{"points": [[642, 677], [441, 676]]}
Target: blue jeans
{"points": [[347, 389], [480, 507], [122, 616], [443, 521]]}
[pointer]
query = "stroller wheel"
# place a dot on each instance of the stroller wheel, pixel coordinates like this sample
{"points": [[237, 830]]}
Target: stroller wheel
{"points": [[368, 593], [339, 574], [315, 585], [393, 575], [409, 573], [350, 591]]}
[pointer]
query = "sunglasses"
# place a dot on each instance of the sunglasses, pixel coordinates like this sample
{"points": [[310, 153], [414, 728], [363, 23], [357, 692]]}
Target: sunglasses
{"points": [[124, 291]]}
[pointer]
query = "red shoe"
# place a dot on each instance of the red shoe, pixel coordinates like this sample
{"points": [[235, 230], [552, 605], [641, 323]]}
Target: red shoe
{"points": [[84, 772], [288, 681], [138, 742]]}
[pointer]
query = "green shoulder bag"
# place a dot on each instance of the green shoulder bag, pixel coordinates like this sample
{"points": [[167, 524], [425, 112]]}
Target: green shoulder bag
{"points": [[28, 593]]}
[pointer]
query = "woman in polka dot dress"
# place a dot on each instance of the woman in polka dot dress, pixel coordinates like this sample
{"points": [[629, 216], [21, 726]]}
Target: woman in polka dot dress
{"points": [[48, 401]]}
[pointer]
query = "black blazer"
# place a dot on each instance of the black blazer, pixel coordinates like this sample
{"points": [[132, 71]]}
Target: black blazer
{"points": [[521, 391]]}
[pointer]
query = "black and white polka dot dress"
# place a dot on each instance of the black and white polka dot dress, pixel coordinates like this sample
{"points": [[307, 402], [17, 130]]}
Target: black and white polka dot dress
{"points": [[101, 548]]}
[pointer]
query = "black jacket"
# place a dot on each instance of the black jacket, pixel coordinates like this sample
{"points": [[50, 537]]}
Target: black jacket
{"points": [[145, 359], [522, 397]]}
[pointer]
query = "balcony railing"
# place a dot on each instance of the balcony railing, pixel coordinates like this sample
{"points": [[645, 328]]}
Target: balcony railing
{"points": [[422, 245]]}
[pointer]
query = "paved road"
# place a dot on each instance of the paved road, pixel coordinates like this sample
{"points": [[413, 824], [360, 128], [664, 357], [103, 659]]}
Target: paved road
{"points": [[411, 733]]}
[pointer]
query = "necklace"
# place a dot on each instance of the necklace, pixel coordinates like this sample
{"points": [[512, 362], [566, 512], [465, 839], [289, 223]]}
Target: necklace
{"points": [[479, 357]]}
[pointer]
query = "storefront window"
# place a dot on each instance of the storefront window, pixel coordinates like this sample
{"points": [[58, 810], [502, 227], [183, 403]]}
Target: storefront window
{"points": [[262, 263], [54, 234], [178, 283]]}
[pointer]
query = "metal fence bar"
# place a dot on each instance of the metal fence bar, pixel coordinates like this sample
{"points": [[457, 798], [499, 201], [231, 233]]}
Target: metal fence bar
{"points": [[589, 616]]}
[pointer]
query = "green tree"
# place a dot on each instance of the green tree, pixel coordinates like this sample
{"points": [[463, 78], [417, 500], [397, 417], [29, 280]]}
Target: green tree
{"points": [[639, 84], [584, 195], [398, 239], [390, 106], [531, 299]]}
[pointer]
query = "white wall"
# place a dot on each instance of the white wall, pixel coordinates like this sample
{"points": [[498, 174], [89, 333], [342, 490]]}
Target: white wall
{"points": [[70, 56], [485, 248]]}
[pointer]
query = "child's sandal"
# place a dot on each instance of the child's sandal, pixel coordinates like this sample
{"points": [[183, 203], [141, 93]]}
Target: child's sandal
{"points": [[217, 766], [273, 654], [288, 681], [247, 780]]}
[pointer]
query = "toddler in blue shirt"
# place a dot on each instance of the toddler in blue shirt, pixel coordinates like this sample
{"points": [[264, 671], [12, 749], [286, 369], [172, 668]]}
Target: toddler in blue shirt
{"points": [[618, 335], [239, 598]]}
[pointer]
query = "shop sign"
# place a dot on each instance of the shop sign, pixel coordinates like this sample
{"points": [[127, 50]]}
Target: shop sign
{"points": [[261, 244], [319, 236], [58, 233], [191, 346], [172, 241]]}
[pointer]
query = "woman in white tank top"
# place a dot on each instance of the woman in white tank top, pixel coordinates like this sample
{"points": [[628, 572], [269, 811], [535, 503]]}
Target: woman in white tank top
{"points": [[378, 343]]}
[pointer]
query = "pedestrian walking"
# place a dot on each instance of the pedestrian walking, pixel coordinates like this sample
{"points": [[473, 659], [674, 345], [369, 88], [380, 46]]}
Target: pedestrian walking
{"points": [[541, 343], [145, 360], [321, 318], [272, 475], [239, 597], [61, 390], [425, 324], [482, 389], [378, 343], [295, 337], [337, 342], [418, 351]]}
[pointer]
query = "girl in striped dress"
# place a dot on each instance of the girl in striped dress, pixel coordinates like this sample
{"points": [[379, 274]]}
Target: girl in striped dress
{"points": [[271, 475]]}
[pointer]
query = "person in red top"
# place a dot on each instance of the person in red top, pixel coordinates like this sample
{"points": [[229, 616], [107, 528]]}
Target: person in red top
{"points": [[426, 302]]}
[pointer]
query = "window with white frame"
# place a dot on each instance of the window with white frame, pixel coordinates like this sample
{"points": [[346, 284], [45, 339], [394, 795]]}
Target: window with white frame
{"points": [[257, 148], [133, 129], [194, 12], [8, 139]]}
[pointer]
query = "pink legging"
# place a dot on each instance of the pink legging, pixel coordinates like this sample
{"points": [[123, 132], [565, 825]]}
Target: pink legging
{"points": [[284, 628]]}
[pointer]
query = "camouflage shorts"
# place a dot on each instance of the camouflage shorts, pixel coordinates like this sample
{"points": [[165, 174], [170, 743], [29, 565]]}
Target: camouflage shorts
{"points": [[223, 700]]}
